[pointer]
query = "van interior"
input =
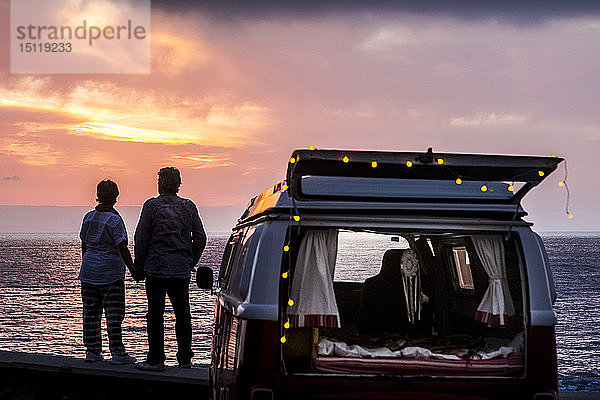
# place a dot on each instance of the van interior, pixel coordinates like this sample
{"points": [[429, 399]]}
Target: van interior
{"points": [[403, 303]]}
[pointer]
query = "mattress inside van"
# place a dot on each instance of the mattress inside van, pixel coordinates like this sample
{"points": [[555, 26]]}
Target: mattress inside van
{"points": [[510, 366], [458, 355]]}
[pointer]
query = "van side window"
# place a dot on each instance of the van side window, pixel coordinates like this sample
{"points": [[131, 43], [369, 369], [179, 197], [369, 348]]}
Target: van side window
{"points": [[238, 263], [462, 265], [225, 269]]}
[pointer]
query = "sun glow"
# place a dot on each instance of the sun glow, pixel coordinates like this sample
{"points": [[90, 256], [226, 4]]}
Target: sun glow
{"points": [[107, 111], [204, 161], [131, 134]]}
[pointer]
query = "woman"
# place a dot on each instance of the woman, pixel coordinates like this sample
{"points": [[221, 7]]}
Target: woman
{"points": [[105, 254]]}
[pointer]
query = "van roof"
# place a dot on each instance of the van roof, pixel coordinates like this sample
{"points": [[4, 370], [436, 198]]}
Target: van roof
{"points": [[426, 182]]}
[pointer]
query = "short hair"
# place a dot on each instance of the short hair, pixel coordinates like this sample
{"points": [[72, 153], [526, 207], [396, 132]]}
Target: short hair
{"points": [[169, 180], [107, 192]]}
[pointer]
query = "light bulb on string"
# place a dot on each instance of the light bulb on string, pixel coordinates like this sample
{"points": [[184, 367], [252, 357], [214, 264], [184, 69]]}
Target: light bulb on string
{"points": [[563, 183]]}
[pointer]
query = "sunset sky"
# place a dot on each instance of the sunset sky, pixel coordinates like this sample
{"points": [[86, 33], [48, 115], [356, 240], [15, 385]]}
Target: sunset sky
{"points": [[234, 89]]}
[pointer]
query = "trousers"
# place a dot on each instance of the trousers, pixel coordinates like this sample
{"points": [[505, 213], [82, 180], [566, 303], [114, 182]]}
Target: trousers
{"points": [[178, 291], [111, 299]]}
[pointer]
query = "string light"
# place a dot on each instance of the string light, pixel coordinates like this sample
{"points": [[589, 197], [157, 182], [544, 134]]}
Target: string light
{"points": [[290, 302], [287, 325], [283, 339], [311, 148], [563, 183], [458, 181], [286, 248], [284, 275]]}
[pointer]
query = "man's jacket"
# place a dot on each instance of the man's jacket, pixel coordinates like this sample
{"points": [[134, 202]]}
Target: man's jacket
{"points": [[169, 237]]}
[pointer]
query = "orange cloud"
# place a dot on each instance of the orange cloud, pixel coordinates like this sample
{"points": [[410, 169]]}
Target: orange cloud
{"points": [[204, 161], [172, 54], [34, 154], [122, 114]]}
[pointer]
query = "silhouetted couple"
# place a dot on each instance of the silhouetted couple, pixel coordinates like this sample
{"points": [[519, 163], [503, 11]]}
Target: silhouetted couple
{"points": [[169, 240]]}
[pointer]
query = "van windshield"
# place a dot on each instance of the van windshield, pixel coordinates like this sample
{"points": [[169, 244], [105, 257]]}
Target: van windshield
{"points": [[403, 303]]}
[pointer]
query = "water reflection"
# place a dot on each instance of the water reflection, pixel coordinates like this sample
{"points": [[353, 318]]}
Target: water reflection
{"points": [[41, 300]]}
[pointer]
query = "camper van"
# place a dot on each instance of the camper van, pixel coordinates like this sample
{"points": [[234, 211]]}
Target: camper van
{"points": [[387, 275]]}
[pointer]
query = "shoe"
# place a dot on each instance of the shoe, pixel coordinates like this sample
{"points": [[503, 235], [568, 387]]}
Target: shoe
{"points": [[122, 359], [93, 357], [185, 364], [150, 367]]}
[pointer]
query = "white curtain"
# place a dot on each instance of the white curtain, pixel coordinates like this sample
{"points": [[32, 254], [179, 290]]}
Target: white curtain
{"points": [[312, 286], [497, 303]]}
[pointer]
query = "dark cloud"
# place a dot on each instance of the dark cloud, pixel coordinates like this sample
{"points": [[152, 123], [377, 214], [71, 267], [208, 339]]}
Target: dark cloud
{"points": [[11, 178], [527, 11]]}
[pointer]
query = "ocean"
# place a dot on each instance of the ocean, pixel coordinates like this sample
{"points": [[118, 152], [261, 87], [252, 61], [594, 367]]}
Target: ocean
{"points": [[40, 301]]}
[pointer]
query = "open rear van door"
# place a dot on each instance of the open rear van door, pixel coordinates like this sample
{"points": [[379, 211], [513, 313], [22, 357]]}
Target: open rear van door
{"points": [[415, 177]]}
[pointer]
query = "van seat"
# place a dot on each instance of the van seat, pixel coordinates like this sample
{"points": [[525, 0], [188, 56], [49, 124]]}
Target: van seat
{"points": [[382, 304]]}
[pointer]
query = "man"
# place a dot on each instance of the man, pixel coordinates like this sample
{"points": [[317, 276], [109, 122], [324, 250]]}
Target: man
{"points": [[169, 240], [104, 256]]}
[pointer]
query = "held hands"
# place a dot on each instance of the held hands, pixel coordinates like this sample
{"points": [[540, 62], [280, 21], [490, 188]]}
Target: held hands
{"points": [[137, 275]]}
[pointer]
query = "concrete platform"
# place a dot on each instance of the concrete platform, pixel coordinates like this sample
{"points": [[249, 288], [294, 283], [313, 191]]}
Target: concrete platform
{"points": [[27, 376], [579, 395], [198, 375]]}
